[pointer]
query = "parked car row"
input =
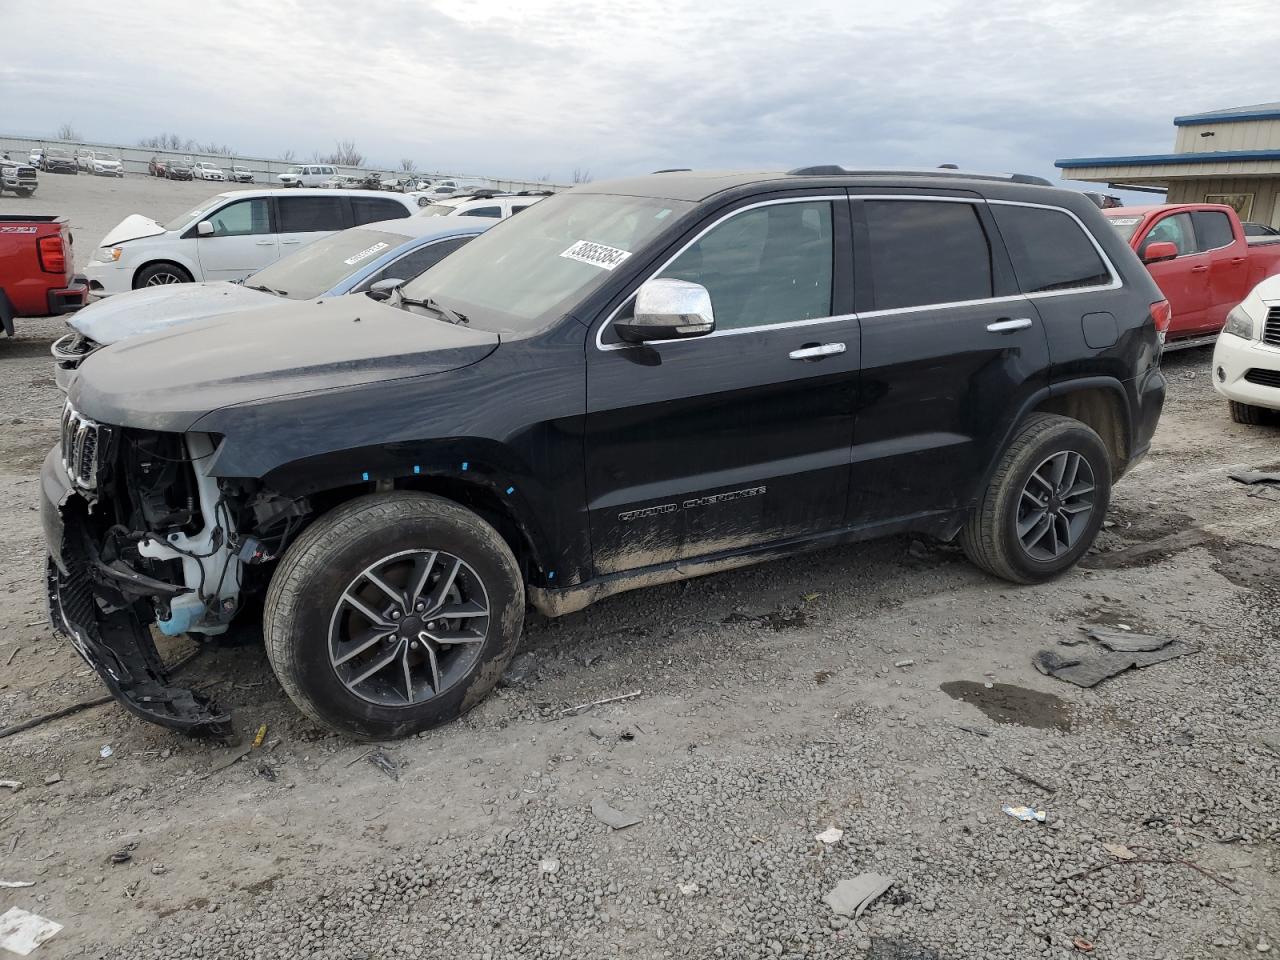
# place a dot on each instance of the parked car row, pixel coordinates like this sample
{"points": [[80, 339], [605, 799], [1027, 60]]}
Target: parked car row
{"points": [[635, 382], [482, 203]]}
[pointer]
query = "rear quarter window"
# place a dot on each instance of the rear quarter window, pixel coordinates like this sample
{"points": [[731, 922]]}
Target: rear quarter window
{"points": [[1213, 229], [1049, 249]]}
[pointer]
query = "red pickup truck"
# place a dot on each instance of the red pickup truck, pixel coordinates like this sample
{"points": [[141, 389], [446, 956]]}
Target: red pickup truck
{"points": [[1199, 256], [37, 269]]}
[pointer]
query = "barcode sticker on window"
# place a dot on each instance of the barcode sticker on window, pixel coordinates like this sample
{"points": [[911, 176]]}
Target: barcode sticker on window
{"points": [[365, 254], [596, 254]]}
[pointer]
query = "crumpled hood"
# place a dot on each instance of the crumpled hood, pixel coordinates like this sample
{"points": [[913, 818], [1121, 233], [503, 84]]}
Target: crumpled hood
{"points": [[169, 379], [133, 227], [154, 308]]}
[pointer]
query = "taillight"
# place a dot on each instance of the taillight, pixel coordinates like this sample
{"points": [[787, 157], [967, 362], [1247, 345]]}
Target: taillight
{"points": [[1162, 314], [53, 255]]}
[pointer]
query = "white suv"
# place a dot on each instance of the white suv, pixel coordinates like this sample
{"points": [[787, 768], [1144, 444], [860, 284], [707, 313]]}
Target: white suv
{"points": [[230, 236], [99, 163], [204, 170], [498, 206], [307, 175]]}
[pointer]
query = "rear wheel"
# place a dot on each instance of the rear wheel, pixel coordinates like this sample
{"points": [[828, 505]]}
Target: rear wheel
{"points": [[1248, 413], [1045, 503], [159, 274], [393, 614]]}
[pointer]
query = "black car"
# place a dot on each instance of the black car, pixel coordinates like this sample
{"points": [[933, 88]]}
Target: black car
{"points": [[631, 383], [58, 160], [178, 170]]}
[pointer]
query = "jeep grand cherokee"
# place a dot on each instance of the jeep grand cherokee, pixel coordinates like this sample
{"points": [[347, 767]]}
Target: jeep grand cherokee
{"points": [[631, 383]]}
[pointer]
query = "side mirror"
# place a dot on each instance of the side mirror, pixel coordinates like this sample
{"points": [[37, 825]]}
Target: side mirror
{"points": [[667, 309], [204, 228], [383, 289], [1160, 250]]}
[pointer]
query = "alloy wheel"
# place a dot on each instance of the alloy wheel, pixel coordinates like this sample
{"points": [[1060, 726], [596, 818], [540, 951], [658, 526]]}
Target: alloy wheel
{"points": [[408, 627], [161, 278], [1055, 506]]}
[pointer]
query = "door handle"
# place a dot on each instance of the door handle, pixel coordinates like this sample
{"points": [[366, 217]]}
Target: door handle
{"points": [[264, 243], [817, 351], [288, 241], [1200, 269], [1008, 326], [1238, 259]]}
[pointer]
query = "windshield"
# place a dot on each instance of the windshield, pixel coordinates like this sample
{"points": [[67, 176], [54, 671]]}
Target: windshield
{"points": [[435, 210], [322, 265], [178, 222], [546, 260], [1125, 226], [56, 152], [294, 170]]}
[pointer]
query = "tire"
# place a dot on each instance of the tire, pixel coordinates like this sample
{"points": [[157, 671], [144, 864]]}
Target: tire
{"points": [[24, 191], [1248, 413], [991, 537], [308, 623], [154, 275]]}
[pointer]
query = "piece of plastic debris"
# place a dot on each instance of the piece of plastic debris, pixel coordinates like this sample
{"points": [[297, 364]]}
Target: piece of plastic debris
{"points": [[121, 856], [1255, 476], [584, 707], [830, 835], [1129, 642], [1123, 626], [617, 819], [15, 884], [849, 898], [14, 785], [810, 597], [1081, 944], [905, 663], [549, 866], [383, 762], [22, 932], [1119, 851], [260, 737], [51, 780], [1088, 668], [106, 751], [1026, 814]]}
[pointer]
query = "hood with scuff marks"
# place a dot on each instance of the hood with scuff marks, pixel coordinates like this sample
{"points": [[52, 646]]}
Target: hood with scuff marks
{"points": [[133, 227], [149, 309], [169, 379]]}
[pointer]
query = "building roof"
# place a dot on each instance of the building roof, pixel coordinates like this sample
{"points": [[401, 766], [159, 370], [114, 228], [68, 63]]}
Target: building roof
{"points": [[1257, 111], [1163, 159]]}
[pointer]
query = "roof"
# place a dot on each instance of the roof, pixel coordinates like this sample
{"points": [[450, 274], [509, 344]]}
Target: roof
{"points": [[1161, 159], [429, 228], [1257, 111]]}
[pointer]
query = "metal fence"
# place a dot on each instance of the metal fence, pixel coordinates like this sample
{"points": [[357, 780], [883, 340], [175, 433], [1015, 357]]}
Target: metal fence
{"points": [[265, 170]]}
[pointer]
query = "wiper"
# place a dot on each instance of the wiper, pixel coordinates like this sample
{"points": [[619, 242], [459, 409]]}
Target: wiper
{"points": [[264, 289], [452, 316]]}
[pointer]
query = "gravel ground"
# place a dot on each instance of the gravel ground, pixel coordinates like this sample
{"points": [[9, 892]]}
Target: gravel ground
{"points": [[774, 702]]}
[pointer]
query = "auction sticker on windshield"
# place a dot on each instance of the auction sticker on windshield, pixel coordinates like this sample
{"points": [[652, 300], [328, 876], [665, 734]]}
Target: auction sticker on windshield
{"points": [[366, 253], [596, 254], [1123, 221]]}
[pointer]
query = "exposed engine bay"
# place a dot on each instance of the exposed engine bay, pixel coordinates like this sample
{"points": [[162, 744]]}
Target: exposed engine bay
{"points": [[149, 536]]}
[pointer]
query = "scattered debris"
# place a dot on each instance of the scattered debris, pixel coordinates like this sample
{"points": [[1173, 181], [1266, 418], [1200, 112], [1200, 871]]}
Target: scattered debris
{"points": [[53, 778], [123, 855], [1088, 668], [14, 785], [267, 772], [1026, 778], [976, 731], [238, 755], [522, 669], [1128, 642], [46, 717], [905, 663], [1204, 871], [849, 898], [106, 751], [810, 597], [380, 759], [1119, 851], [781, 618], [15, 884], [1251, 477], [584, 707], [616, 819], [12, 653], [22, 932], [260, 736], [830, 835], [1026, 814], [822, 676], [1081, 944], [549, 866]]}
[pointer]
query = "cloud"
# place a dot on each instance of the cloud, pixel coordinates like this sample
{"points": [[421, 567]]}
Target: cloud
{"points": [[536, 87]]}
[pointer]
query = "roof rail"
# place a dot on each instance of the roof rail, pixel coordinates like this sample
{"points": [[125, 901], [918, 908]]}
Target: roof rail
{"points": [[675, 170], [835, 170]]}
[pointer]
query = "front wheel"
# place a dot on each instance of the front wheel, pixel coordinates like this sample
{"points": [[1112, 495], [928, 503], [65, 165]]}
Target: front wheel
{"points": [[392, 614], [1045, 503], [159, 274]]}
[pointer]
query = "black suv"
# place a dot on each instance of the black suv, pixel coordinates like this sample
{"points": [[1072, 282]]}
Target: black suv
{"points": [[631, 383]]}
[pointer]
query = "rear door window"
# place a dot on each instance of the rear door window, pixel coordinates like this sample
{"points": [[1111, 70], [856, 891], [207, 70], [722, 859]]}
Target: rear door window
{"points": [[1049, 249], [311, 214], [926, 252], [1213, 230], [482, 212], [372, 209]]}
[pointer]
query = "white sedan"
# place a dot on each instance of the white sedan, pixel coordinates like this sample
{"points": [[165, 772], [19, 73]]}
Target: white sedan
{"points": [[204, 170], [1246, 360]]}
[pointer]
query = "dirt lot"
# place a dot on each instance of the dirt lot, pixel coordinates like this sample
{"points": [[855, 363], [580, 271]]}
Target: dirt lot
{"points": [[773, 703]]}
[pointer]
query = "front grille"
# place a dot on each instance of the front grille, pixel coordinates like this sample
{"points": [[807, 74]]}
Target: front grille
{"points": [[80, 448], [1263, 378], [27, 173], [1271, 330]]}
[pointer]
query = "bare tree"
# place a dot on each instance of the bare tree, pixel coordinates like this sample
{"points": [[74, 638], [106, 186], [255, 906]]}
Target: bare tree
{"points": [[289, 156], [581, 176], [407, 164], [68, 132], [218, 149], [345, 155], [545, 178]]}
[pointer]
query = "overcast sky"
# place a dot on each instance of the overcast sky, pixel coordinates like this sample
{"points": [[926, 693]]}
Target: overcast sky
{"points": [[526, 88]]}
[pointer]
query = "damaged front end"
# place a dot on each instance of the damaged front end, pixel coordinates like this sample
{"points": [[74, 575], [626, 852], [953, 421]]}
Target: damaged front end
{"points": [[141, 534]]}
